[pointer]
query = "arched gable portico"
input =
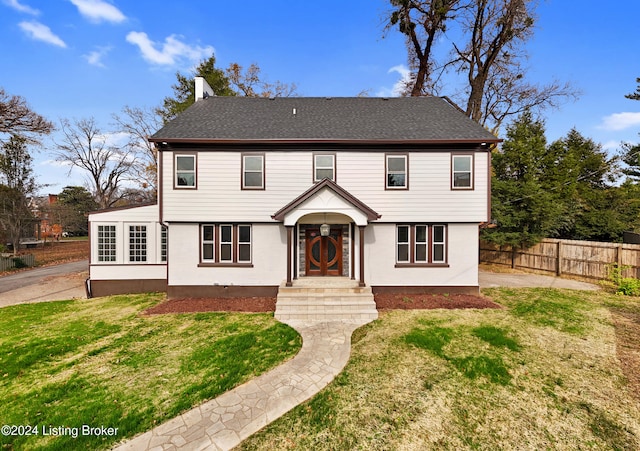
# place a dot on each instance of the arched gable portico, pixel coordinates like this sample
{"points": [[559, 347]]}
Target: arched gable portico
{"points": [[325, 203]]}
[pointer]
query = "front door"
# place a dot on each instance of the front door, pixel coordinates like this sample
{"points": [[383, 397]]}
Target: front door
{"points": [[323, 253]]}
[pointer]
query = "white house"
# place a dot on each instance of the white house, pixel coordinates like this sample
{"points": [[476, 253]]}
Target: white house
{"points": [[257, 193]]}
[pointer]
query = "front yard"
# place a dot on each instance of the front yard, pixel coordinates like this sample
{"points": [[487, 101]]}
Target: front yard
{"points": [[99, 363], [547, 371], [542, 373]]}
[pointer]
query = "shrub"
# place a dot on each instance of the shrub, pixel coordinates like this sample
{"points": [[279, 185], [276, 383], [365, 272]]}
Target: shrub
{"points": [[628, 286], [19, 263]]}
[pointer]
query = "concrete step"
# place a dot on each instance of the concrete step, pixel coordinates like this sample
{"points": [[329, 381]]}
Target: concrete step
{"points": [[325, 299]]}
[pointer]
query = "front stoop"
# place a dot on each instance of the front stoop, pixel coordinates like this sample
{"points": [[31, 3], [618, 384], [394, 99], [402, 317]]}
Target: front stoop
{"points": [[325, 299]]}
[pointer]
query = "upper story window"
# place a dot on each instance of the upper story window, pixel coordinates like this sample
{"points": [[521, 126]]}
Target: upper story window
{"points": [[421, 245], [137, 243], [185, 171], [324, 167], [462, 171], [106, 243], [396, 171], [252, 171]]}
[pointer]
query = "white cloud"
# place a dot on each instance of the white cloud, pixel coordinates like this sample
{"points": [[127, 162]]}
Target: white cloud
{"points": [[15, 4], [400, 85], [173, 50], [99, 11], [40, 32], [611, 145], [620, 121], [95, 57]]}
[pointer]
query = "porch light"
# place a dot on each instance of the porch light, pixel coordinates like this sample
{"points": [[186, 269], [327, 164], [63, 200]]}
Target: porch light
{"points": [[325, 229]]}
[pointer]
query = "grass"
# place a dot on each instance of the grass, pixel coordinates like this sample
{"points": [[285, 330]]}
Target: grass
{"points": [[540, 374], [99, 363]]}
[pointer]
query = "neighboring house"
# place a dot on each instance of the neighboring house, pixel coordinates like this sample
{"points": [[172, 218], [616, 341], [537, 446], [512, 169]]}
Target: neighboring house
{"points": [[255, 193]]}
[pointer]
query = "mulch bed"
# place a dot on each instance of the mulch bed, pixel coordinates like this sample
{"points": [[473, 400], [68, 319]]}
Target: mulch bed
{"points": [[193, 305], [401, 301], [268, 304]]}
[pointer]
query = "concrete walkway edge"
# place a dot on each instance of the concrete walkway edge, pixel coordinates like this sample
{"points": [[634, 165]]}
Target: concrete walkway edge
{"points": [[222, 423]]}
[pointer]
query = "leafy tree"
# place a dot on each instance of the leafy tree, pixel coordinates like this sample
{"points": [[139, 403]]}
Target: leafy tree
{"points": [[230, 82], [635, 95], [184, 89], [584, 174], [489, 54], [523, 205], [17, 118], [84, 146], [19, 184], [74, 203]]}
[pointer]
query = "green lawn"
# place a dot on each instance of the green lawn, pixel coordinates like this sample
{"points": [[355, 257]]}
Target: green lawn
{"points": [[100, 363], [542, 373]]}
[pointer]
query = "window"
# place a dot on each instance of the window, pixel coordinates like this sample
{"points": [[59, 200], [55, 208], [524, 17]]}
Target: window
{"points": [[163, 244], [396, 169], [244, 243], [403, 244], [208, 242], [185, 174], [324, 167], [137, 243], [252, 171], [438, 244], [421, 245], [462, 173], [226, 244], [106, 243]]}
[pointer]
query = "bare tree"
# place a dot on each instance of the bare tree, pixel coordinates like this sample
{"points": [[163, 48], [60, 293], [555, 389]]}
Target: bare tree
{"points": [[138, 124], [17, 118], [250, 84], [489, 54], [84, 146], [421, 21]]}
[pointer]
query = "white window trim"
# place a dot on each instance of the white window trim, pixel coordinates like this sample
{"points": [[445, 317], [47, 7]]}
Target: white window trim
{"points": [[115, 244], [175, 171], [412, 235], [316, 166], [389, 172], [250, 243], [470, 171], [147, 239], [260, 171], [443, 243]]}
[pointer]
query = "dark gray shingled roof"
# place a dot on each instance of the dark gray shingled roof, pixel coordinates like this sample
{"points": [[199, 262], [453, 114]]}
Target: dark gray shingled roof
{"points": [[320, 118]]}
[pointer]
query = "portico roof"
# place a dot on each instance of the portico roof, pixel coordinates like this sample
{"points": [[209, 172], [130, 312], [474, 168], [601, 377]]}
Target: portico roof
{"points": [[341, 198]]}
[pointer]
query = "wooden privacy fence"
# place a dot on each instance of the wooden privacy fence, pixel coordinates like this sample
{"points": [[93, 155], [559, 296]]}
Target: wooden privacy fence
{"points": [[590, 259], [10, 262]]}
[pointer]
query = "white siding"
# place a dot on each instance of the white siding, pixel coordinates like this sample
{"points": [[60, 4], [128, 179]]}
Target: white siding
{"points": [[288, 174], [380, 248], [122, 268], [268, 255]]}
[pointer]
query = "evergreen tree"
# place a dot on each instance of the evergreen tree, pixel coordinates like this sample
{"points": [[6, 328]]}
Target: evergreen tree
{"points": [[524, 206]]}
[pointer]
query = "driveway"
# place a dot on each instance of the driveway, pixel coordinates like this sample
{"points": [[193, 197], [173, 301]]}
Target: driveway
{"points": [[51, 283], [494, 279]]}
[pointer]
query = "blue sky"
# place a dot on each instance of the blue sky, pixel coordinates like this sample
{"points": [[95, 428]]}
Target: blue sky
{"points": [[81, 58]]}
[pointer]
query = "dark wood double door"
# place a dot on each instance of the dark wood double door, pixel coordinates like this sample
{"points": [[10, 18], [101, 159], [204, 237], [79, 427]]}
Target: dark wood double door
{"points": [[323, 254]]}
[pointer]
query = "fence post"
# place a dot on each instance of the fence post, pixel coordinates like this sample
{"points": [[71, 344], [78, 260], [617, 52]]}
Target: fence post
{"points": [[513, 257], [619, 257], [559, 258]]}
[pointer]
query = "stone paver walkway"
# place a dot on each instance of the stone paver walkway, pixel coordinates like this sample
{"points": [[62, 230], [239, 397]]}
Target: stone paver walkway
{"points": [[222, 423]]}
